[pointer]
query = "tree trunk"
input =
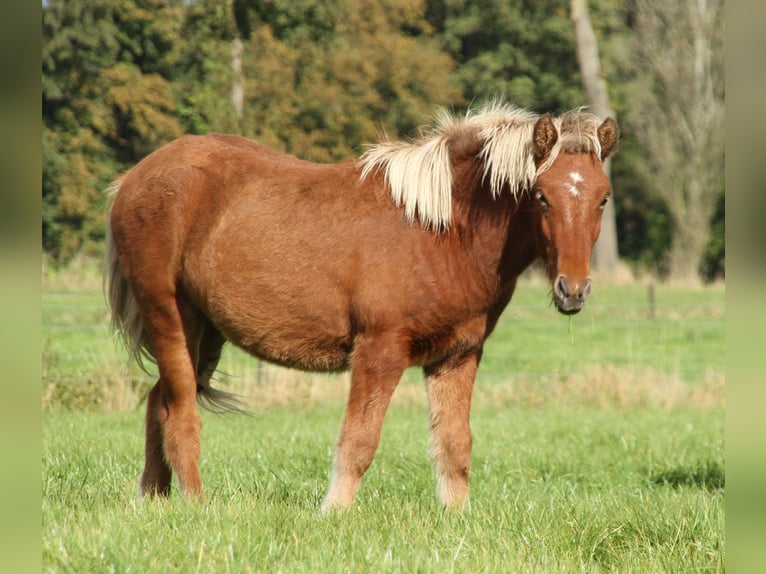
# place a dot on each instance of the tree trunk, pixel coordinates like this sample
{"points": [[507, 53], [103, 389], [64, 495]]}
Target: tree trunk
{"points": [[237, 81], [692, 233], [605, 257]]}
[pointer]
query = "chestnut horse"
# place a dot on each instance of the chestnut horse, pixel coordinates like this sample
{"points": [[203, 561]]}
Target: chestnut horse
{"points": [[405, 256]]}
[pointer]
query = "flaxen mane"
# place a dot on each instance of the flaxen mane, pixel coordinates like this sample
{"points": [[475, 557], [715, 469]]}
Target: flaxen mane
{"points": [[419, 174]]}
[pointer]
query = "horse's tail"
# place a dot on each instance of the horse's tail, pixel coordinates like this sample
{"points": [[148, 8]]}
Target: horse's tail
{"points": [[126, 322]]}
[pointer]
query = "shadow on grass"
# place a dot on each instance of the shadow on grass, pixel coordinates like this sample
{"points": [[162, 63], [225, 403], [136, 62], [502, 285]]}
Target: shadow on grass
{"points": [[709, 475]]}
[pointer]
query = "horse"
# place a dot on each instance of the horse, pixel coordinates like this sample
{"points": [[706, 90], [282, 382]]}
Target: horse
{"points": [[404, 256]]}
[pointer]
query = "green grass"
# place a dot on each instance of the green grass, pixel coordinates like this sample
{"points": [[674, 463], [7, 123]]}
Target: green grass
{"points": [[569, 489], [598, 447]]}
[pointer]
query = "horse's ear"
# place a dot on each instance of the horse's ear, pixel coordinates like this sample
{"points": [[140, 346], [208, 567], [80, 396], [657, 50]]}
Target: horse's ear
{"points": [[544, 138], [608, 135]]}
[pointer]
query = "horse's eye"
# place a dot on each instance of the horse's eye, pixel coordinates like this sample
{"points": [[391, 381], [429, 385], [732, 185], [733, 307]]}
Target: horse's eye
{"points": [[603, 203], [542, 199]]}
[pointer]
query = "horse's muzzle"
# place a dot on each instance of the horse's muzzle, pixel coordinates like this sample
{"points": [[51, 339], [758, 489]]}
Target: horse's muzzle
{"points": [[569, 296]]}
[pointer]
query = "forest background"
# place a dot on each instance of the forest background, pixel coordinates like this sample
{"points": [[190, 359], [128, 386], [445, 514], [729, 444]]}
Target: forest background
{"points": [[320, 79]]}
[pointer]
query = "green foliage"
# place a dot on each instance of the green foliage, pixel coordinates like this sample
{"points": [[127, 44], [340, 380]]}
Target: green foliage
{"points": [[523, 49], [642, 218], [714, 262], [318, 79], [105, 105], [317, 83]]}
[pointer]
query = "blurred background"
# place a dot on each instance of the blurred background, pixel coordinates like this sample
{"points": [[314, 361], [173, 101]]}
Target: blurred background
{"points": [[320, 79]]}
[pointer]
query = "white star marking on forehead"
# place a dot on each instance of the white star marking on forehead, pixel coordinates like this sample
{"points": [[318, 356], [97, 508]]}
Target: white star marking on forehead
{"points": [[574, 178]]}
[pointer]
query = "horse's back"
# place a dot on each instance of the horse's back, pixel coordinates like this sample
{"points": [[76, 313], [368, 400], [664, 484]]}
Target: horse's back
{"points": [[194, 183]]}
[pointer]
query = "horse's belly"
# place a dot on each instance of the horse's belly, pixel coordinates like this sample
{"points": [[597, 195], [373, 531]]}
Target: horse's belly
{"points": [[301, 351], [289, 333], [281, 300]]}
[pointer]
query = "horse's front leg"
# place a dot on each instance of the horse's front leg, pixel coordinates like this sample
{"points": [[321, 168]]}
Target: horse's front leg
{"points": [[450, 385], [376, 367]]}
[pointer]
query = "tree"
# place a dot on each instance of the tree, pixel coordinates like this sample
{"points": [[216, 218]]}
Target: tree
{"points": [[75, 159], [523, 50], [108, 99], [677, 113], [323, 78]]}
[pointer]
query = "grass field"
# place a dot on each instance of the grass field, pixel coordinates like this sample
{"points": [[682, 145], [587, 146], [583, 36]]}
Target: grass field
{"points": [[598, 446]]}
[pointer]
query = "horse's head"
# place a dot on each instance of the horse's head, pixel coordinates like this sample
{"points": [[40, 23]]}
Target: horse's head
{"points": [[570, 195]]}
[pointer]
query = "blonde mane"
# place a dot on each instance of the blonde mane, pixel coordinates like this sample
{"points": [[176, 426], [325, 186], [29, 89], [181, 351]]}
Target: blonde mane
{"points": [[419, 173]]}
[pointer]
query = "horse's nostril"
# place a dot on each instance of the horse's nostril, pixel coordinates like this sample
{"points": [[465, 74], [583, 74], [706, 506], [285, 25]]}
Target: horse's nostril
{"points": [[564, 290]]}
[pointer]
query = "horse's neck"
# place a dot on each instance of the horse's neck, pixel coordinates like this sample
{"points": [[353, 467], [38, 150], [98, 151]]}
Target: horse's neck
{"points": [[497, 234], [520, 249]]}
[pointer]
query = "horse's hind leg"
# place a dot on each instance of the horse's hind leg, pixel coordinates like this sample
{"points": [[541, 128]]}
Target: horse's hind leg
{"points": [[173, 424], [155, 479], [450, 385]]}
